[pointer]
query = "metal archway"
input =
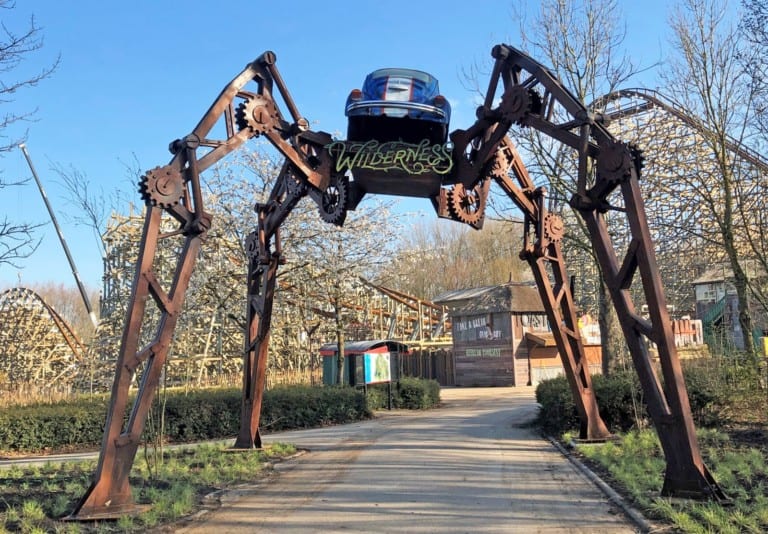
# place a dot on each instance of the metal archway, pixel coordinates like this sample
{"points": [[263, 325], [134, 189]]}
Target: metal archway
{"points": [[482, 155]]}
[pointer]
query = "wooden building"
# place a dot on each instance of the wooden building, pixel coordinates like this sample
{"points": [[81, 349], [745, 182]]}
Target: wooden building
{"points": [[489, 326], [545, 359]]}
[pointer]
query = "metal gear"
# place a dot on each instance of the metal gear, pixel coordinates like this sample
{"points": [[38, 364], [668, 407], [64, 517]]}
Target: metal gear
{"points": [[615, 161], [294, 185], [334, 200], [466, 205], [252, 245], [257, 113], [162, 187], [517, 102], [554, 229]]}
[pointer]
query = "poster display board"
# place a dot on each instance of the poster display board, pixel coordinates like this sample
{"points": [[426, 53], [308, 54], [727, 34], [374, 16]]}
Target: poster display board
{"points": [[376, 367]]}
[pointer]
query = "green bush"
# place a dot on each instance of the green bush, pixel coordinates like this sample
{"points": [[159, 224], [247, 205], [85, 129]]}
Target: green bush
{"points": [[306, 406], [194, 416], [557, 412], [620, 400], [418, 394], [710, 388], [71, 424], [407, 393], [202, 415]]}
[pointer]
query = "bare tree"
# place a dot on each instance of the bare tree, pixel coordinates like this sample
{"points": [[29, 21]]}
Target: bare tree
{"points": [[464, 257], [755, 30], [708, 78], [336, 257], [754, 27], [17, 239], [581, 41]]}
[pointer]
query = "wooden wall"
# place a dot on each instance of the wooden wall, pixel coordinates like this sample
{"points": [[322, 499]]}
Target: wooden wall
{"points": [[495, 362], [545, 360]]}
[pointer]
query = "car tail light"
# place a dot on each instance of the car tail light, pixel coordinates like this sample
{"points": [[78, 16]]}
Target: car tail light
{"points": [[439, 101], [355, 94]]}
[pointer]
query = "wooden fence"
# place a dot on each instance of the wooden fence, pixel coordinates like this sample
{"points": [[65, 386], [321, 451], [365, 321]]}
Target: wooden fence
{"points": [[435, 364]]}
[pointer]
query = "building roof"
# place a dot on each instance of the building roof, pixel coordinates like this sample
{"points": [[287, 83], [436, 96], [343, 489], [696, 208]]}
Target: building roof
{"points": [[717, 274], [512, 297], [724, 273], [461, 294], [359, 347]]}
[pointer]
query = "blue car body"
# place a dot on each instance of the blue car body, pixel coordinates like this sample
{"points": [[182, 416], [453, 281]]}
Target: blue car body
{"points": [[398, 104]]}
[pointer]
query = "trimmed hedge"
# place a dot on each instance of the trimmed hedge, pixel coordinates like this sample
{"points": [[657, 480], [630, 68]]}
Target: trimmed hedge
{"points": [[292, 407], [34, 428], [620, 400], [407, 393], [193, 416]]}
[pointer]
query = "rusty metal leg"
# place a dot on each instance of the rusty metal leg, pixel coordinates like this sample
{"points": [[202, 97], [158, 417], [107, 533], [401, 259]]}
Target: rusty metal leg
{"points": [[686, 475], [109, 496], [558, 301], [261, 291], [546, 260]]}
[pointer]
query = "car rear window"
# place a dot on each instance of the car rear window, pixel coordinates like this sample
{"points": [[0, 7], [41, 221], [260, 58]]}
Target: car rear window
{"points": [[415, 74]]}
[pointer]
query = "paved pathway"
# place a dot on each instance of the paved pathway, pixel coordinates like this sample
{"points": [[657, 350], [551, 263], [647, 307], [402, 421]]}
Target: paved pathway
{"points": [[471, 466]]}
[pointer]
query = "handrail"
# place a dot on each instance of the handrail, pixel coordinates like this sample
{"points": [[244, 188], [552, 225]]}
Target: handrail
{"points": [[655, 98]]}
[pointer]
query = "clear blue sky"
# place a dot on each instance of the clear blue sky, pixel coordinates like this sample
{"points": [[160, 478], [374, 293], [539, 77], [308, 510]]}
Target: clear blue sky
{"points": [[136, 75]]}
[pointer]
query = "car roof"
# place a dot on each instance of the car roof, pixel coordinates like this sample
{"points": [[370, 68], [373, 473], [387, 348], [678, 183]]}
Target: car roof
{"points": [[417, 74]]}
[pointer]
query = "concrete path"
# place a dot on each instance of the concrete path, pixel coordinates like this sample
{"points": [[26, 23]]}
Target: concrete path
{"points": [[470, 466]]}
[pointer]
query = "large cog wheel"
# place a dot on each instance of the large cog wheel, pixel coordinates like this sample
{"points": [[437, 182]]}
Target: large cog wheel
{"points": [[162, 187], [258, 114], [334, 200], [466, 205]]}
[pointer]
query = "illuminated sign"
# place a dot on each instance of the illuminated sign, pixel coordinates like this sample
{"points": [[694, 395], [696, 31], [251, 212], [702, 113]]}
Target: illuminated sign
{"points": [[376, 365], [413, 159]]}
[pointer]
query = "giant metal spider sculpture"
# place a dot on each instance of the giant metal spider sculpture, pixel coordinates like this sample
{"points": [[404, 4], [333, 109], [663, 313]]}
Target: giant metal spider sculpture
{"points": [[458, 185]]}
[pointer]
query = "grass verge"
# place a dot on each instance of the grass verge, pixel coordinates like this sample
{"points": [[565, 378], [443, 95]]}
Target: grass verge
{"points": [[35, 499], [634, 466]]}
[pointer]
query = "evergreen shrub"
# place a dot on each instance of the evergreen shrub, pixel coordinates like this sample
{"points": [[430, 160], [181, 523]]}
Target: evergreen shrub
{"points": [[620, 401], [407, 393], [189, 416]]}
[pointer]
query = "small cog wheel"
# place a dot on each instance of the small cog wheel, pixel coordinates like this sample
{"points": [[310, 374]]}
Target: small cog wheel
{"points": [[295, 185], [252, 245], [615, 161], [466, 205], [554, 229], [162, 187], [257, 114], [334, 200], [517, 102], [499, 169]]}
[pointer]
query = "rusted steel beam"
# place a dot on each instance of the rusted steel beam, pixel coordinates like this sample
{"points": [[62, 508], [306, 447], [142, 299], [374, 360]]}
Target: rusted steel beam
{"points": [[686, 474], [109, 495], [261, 292], [534, 97], [173, 190], [546, 260]]}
